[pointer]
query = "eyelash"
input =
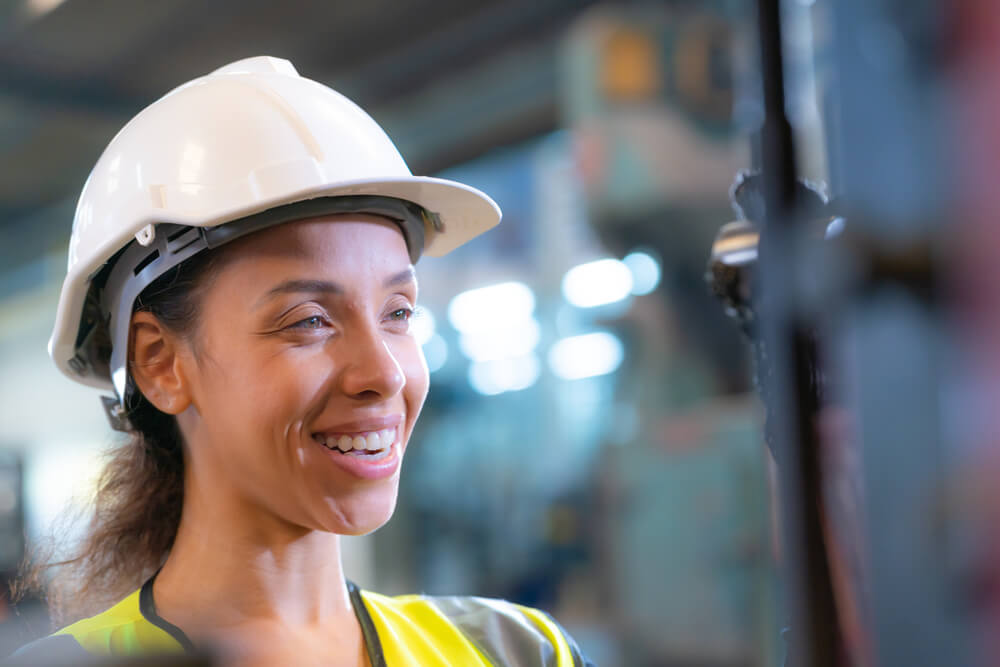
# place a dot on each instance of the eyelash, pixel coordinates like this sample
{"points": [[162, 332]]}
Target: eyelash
{"points": [[407, 315]]}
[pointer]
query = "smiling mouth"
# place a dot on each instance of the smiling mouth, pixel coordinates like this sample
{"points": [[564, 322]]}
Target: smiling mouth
{"points": [[372, 445]]}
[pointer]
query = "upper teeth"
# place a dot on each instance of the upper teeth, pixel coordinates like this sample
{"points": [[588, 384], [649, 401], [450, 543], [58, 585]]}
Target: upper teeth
{"points": [[372, 441]]}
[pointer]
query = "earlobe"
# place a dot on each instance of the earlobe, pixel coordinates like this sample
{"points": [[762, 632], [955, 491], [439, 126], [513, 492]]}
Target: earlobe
{"points": [[155, 364]]}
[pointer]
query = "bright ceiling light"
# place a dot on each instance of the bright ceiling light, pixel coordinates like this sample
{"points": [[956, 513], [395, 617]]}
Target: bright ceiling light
{"points": [[487, 307], [503, 342], [597, 283], [586, 356], [435, 352], [495, 377], [422, 325], [38, 7], [645, 272]]}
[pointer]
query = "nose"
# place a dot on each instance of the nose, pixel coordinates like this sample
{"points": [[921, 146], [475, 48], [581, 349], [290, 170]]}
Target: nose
{"points": [[371, 371]]}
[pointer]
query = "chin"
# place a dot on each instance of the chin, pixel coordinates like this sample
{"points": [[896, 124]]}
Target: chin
{"points": [[359, 516]]}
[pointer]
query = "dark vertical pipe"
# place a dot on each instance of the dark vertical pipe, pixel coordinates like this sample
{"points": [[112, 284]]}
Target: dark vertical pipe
{"points": [[812, 641]]}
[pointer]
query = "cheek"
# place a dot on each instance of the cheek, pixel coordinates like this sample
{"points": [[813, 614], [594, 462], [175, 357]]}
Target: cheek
{"points": [[417, 381], [257, 390]]}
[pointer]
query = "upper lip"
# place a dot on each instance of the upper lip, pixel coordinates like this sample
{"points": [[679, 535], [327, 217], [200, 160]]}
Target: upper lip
{"points": [[363, 425]]}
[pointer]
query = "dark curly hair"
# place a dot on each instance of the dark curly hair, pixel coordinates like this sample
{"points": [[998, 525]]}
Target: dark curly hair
{"points": [[140, 492]]}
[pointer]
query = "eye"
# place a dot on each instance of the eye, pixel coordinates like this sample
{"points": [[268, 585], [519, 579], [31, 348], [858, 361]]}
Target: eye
{"points": [[401, 314], [314, 322]]}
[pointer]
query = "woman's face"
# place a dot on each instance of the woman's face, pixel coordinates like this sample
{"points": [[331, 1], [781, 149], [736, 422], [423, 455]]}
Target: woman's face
{"points": [[303, 350]]}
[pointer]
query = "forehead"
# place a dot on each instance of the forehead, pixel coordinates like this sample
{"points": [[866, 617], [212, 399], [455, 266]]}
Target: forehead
{"points": [[335, 238], [356, 253]]}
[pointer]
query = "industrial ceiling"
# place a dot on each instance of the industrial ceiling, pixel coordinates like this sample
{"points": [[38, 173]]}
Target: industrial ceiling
{"points": [[448, 79]]}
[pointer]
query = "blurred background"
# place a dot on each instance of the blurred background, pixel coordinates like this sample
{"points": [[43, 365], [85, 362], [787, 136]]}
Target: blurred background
{"points": [[592, 443]]}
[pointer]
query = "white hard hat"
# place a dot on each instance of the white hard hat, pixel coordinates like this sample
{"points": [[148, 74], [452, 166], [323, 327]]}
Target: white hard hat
{"points": [[251, 144]]}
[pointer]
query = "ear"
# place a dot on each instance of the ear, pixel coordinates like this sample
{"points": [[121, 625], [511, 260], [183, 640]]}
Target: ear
{"points": [[156, 363]]}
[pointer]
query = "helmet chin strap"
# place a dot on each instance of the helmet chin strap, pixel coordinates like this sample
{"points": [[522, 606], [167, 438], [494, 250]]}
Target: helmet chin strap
{"points": [[165, 246], [115, 412]]}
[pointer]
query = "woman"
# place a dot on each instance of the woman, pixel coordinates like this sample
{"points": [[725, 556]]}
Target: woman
{"points": [[241, 275]]}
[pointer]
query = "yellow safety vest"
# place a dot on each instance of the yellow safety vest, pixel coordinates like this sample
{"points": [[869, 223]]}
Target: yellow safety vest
{"points": [[403, 631]]}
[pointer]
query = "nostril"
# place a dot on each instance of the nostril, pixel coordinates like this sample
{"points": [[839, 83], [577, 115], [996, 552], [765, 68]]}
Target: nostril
{"points": [[368, 394]]}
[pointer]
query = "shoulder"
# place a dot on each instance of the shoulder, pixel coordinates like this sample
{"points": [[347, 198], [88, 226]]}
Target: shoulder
{"points": [[503, 632], [121, 630]]}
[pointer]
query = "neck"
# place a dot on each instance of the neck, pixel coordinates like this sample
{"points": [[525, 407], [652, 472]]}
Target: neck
{"points": [[233, 564]]}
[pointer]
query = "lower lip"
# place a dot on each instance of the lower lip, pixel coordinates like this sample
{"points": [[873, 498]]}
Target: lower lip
{"points": [[364, 468]]}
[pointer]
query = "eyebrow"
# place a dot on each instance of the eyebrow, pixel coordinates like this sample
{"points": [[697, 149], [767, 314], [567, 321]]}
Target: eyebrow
{"points": [[405, 276]]}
